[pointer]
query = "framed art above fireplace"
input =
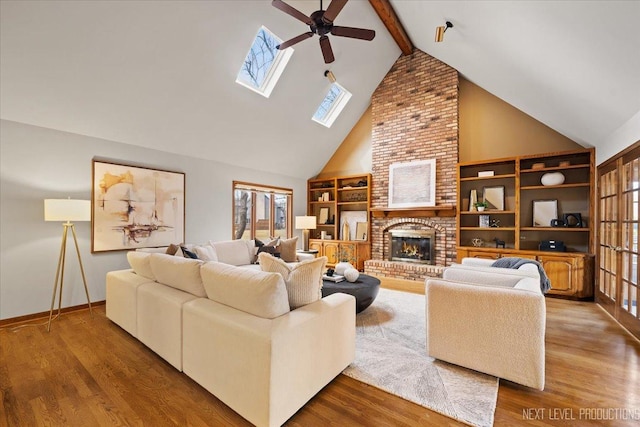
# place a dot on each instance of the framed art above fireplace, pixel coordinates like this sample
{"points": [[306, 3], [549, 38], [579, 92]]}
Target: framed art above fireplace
{"points": [[412, 184]]}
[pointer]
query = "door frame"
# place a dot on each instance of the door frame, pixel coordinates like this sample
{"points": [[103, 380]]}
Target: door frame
{"points": [[612, 306]]}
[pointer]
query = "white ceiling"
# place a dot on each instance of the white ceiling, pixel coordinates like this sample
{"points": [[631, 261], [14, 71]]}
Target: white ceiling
{"points": [[573, 65], [160, 74]]}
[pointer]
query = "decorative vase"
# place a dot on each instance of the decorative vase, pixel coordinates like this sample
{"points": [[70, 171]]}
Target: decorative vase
{"points": [[351, 274], [341, 267], [552, 178]]}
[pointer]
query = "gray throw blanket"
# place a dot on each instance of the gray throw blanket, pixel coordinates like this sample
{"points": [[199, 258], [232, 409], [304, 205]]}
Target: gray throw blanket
{"points": [[515, 263]]}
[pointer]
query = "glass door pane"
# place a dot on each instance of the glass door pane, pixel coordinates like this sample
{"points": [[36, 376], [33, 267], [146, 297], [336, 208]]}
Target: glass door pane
{"points": [[281, 207], [242, 214], [263, 216]]}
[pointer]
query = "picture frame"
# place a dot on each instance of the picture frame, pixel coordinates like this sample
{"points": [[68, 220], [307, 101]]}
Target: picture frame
{"points": [[135, 207], [361, 230], [412, 184], [544, 211], [323, 216], [494, 197]]}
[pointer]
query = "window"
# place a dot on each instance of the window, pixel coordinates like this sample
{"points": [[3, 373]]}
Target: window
{"points": [[332, 105], [261, 212], [263, 64]]}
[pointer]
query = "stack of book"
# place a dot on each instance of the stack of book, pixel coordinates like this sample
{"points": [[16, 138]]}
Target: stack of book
{"points": [[335, 278]]}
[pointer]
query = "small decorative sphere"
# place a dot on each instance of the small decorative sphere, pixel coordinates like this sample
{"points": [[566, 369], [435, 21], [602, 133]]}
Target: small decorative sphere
{"points": [[341, 267], [552, 178], [351, 274]]}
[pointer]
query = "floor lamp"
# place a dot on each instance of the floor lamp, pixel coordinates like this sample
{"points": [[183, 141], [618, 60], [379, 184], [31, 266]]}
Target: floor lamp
{"points": [[66, 210]]}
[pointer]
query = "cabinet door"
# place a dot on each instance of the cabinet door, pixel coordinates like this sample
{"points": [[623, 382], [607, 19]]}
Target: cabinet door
{"points": [[483, 254], [562, 272], [517, 255], [349, 253], [316, 246], [331, 251]]}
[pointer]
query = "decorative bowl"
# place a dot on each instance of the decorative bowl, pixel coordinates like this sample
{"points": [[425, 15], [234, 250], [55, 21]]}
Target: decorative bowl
{"points": [[552, 178]]}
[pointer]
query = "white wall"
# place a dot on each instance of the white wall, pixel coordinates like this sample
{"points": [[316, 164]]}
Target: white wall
{"points": [[38, 163], [626, 135]]}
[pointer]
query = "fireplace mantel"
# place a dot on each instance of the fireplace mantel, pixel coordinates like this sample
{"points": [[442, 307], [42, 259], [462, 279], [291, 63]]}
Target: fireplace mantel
{"points": [[431, 211]]}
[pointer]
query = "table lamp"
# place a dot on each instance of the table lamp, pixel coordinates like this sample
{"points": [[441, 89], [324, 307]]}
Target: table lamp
{"points": [[305, 223], [66, 210]]}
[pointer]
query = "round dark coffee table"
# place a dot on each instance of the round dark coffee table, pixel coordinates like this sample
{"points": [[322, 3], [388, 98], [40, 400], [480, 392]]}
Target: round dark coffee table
{"points": [[365, 289]]}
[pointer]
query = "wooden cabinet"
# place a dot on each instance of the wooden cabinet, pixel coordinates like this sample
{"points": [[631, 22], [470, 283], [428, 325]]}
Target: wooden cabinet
{"points": [[354, 252], [571, 274], [511, 220], [332, 201]]}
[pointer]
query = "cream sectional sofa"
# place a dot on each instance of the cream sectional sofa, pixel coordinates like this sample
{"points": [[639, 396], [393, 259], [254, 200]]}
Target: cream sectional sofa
{"points": [[231, 330], [489, 319]]}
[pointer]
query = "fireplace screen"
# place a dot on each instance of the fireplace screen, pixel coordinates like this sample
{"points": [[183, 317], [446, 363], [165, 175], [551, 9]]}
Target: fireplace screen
{"points": [[412, 246]]}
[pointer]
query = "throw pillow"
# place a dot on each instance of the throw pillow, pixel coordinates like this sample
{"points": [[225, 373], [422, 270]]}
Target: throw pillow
{"points": [[287, 249], [303, 281], [172, 249], [206, 253], [188, 254]]}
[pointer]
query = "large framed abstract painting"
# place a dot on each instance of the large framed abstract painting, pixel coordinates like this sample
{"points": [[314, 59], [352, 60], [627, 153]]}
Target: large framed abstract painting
{"points": [[135, 207], [412, 184]]}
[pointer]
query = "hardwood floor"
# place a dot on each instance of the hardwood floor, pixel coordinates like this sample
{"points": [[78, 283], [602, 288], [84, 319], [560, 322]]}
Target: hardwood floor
{"points": [[89, 372]]}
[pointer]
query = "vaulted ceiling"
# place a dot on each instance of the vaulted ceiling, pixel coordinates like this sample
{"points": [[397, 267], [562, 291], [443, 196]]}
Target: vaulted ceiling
{"points": [[161, 74]]}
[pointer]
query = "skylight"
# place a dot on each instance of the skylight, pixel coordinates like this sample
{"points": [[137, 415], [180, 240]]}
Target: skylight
{"points": [[332, 105], [263, 64]]}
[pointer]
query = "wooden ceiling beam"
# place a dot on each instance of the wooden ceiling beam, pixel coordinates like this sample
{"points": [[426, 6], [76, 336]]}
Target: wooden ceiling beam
{"points": [[388, 16]]}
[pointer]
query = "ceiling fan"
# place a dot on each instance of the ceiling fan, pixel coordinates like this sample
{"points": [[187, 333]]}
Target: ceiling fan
{"points": [[321, 23]]}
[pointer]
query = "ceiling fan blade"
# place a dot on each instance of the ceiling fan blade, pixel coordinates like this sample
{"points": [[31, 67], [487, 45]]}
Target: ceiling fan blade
{"points": [[327, 52], [354, 33], [333, 10], [279, 4], [294, 40]]}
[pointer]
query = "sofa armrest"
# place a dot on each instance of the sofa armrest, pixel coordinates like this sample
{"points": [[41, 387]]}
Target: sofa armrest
{"points": [[267, 369], [525, 277], [496, 330]]}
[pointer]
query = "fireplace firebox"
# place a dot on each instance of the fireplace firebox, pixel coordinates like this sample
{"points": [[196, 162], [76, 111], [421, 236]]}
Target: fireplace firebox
{"points": [[412, 246]]}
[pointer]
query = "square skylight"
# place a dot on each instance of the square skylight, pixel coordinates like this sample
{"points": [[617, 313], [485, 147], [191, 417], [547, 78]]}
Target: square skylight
{"points": [[332, 105], [264, 63]]}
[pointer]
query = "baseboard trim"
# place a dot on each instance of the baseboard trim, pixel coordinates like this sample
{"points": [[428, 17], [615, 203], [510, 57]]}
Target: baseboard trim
{"points": [[45, 314]]}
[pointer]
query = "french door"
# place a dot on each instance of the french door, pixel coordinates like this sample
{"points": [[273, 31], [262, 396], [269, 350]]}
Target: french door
{"points": [[618, 246]]}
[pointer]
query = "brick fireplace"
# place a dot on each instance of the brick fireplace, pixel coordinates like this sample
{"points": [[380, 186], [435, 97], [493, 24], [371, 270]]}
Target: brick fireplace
{"points": [[415, 117]]}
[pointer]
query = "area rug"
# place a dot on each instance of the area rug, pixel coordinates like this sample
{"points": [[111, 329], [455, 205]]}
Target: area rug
{"points": [[391, 355]]}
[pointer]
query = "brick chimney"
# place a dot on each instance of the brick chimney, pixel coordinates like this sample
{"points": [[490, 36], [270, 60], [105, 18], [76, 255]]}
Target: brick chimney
{"points": [[415, 117]]}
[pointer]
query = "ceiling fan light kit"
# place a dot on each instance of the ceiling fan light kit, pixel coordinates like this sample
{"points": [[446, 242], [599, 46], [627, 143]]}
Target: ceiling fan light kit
{"points": [[321, 23], [441, 30]]}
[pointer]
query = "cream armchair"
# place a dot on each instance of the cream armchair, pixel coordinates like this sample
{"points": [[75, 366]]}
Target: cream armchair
{"points": [[490, 320]]}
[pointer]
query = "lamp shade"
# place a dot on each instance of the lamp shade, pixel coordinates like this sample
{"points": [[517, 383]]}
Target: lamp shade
{"points": [[306, 222], [67, 210]]}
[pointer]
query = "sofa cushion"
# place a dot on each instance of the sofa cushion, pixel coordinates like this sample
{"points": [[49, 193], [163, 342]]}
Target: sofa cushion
{"points": [[303, 281], [206, 252], [140, 262], [178, 272], [287, 249], [235, 252], [255, 292]]}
